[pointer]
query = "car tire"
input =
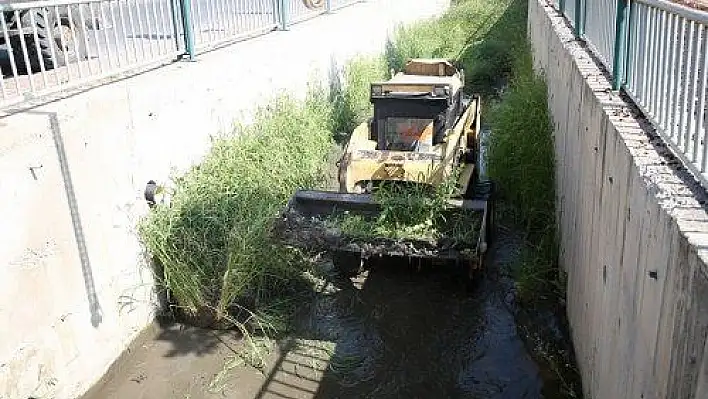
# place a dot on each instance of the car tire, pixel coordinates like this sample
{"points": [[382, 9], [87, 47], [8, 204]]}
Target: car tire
{"points": [[47, 48]]}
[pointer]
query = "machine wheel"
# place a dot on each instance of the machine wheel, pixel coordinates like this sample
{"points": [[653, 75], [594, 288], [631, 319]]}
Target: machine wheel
{"points": [[55, 43]]}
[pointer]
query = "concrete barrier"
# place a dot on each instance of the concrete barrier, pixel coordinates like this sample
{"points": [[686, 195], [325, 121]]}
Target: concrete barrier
{"points": [[75, 288], [633, 232]]}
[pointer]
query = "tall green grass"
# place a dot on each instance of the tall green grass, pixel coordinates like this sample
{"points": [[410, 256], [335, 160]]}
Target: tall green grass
{"points": [[349, 94], [522, 161], [214, 240], [480, 36]]}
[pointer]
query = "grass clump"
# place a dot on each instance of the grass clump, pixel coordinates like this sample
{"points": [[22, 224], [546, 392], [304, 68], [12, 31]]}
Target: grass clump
{"points": [[214, 243], [214, 240], [522, 161], [407, 212], [349, 94], [413, 212]]}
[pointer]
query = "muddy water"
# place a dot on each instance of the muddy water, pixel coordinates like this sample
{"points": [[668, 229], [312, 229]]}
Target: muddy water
{"points": [[402, 333], [391, 332]]}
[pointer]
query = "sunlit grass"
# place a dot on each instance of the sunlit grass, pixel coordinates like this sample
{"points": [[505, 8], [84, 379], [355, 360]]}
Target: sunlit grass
{"points": [[214, 240], [413, 212]]}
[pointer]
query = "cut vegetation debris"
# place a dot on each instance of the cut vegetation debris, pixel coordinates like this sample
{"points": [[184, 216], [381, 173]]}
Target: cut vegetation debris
{"points": [[412, 212], [452, 235]]}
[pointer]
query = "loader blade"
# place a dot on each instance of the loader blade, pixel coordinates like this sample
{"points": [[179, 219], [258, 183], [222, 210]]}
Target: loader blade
{"points": [[311, 203], [304, 225], [315, 202]]}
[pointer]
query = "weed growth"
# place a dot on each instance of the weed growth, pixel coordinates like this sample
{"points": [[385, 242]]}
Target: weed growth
{"points": [[413, 212], [482, 37], [521, 159], [213, 241], [349, 94]]}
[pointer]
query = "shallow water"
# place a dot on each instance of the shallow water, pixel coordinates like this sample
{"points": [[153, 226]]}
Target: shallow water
{"points": [[391, 332], [403, 333]]}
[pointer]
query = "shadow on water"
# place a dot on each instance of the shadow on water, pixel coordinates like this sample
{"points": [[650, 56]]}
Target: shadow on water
{"points": [[397, 332]]}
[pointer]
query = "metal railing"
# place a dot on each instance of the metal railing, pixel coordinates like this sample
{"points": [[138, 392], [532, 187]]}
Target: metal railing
{"points": [[51, 46], [599, 29], [657, 51], [569, 7], [296, 11], [216, 22]]}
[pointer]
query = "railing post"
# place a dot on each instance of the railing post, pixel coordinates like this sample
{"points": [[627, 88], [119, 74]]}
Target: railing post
{"points": [[579, 25], [176, 24], [328, 6], [620, 45], [186, 6], [282, 14]]}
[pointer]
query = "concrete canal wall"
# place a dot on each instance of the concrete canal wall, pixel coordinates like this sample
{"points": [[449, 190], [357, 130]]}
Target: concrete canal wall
{"points": [[633, 232]]}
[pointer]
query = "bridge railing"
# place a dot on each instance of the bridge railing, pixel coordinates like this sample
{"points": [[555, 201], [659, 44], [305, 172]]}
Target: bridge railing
{"points": [[298, 11], [50, 46], [216, 22], [657, 52]]}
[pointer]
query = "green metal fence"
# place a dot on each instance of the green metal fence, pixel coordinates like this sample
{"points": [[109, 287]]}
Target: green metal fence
{"points": [[657, 53]]}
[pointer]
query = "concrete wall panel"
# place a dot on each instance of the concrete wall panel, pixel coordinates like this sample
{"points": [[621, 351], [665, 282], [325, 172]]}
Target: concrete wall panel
{"points": [[633, 232]]}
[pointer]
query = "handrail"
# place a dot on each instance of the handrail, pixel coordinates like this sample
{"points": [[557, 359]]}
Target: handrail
{"points": [[657, 52]]}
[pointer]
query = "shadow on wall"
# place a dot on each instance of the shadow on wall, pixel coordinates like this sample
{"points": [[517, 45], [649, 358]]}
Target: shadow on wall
{"points": [[94, 305]]}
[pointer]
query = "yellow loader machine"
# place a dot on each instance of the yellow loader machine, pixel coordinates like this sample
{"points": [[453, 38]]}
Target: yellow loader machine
{"points": [[424, 131]]}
